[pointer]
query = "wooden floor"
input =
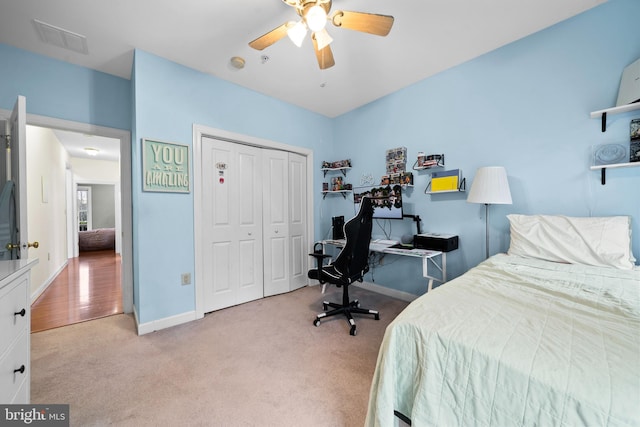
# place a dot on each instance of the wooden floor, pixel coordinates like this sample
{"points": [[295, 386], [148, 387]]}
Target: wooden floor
{"points": [[88, 288]]}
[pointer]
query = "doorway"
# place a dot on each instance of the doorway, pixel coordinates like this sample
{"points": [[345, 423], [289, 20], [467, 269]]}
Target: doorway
{"points": [[124, 189], [79, 176]]}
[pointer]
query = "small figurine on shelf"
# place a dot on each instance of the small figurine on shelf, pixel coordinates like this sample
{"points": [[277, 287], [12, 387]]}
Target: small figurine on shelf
{"points": [[325, 186], [326, 165], [406, 178], [336, 183]]}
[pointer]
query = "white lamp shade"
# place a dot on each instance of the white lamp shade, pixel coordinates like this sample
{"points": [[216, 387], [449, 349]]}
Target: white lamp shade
{"points": [[322, 38], [490, 186], [297, 33], [316, 18]]}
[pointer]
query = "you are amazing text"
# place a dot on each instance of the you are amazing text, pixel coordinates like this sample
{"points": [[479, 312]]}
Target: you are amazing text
{"points": [[166, 167]]}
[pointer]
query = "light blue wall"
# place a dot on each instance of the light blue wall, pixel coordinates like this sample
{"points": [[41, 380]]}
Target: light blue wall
{"points": [[58, 89], [526, 107], [169, 99]]}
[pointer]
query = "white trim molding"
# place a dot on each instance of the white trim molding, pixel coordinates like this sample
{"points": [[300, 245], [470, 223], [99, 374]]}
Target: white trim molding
{"points": [[167, 322]]}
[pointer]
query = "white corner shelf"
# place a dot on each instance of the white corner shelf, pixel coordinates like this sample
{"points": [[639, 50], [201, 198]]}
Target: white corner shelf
{"points": [[342, 192], [343, 170], [613, 110]]}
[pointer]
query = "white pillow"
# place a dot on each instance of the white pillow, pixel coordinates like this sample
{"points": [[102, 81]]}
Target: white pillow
{"points": [[600, 241]]}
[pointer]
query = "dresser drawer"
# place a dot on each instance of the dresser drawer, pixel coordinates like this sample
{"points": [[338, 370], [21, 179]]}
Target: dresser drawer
{"points": [[12, 382], [13, 298]]}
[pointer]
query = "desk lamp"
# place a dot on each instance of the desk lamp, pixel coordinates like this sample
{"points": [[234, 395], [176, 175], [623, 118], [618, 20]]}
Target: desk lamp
{"points": [[490, 186]]}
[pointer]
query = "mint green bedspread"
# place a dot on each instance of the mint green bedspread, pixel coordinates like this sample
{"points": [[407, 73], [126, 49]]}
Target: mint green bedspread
{"points": [[515, 342]]}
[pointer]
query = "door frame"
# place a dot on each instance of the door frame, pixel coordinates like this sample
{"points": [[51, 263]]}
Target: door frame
{"points": [[124, 136], [200, 131]]}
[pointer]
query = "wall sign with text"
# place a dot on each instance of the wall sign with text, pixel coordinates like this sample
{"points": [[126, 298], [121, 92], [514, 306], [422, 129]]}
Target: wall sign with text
{"points": [[165, 166]]}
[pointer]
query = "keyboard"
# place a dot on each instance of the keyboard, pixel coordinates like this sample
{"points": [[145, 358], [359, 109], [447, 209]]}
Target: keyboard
{"points": [[385, 242]]}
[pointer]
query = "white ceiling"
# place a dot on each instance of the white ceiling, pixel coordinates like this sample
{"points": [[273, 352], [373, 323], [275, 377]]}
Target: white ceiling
{"points": [[428, 36], [75, 144]]}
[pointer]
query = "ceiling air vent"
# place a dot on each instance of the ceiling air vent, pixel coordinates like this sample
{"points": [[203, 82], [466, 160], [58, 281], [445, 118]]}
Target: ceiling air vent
{"points": [[60, 37]]}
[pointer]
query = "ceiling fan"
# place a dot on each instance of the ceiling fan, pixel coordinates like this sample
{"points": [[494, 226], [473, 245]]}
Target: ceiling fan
{"points": [[314, 15]]}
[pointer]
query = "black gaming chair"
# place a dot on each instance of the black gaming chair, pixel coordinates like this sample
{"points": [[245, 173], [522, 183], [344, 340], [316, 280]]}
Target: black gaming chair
{"points": [[350, 266]]}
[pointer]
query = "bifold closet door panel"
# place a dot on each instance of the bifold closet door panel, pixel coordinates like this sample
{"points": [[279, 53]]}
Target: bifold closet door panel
{"points": [[232, 208]]}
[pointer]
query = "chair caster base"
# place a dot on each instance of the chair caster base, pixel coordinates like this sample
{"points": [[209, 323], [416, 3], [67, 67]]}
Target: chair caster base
{"points": [[347, 308]]}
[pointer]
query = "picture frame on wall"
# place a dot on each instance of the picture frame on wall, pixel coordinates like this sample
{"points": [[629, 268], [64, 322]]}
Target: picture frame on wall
{"points": [[165, 166]]}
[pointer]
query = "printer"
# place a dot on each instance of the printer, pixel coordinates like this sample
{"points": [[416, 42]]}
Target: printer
{"points": [[436, 242]]}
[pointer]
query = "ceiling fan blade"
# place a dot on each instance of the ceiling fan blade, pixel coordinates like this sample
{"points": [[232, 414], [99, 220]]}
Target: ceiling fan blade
{"points": [[371, 23], [271, 37], [324, 56]]}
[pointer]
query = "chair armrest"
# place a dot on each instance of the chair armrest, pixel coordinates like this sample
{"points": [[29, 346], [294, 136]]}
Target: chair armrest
{"points": [[319, 257]]}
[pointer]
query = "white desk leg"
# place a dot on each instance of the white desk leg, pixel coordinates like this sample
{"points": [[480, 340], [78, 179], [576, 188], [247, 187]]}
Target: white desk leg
{"points": [[443, 270], [425, 273]]}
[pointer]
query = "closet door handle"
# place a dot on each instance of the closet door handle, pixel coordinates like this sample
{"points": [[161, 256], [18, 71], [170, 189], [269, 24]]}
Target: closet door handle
{"points": [[20, 369], [21, 312]]}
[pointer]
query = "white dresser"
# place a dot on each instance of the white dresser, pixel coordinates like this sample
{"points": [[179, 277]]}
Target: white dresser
{"points": [[15, 329]]}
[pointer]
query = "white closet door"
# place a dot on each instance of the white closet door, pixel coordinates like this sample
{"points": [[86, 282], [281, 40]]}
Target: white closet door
{"points": [[299, 248], [276, 222], [232, 204]]}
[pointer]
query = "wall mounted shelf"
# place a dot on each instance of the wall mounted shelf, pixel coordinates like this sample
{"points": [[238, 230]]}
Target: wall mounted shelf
{"points": [[603, 169], [450, 181], [439, 162], [342, 192], [613, 155], [461, 189], [343, 170], [613, 110]]}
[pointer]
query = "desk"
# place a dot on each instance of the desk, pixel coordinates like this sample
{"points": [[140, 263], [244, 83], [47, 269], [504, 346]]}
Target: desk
{"points": [[428, 257]]}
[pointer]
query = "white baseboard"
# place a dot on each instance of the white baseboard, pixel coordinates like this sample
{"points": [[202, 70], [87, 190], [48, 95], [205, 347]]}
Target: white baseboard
{"points": [[35, 295], [404, 296], [167, 322]]}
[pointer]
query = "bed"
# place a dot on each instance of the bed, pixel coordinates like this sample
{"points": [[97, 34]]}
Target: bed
{"points": [[547, 334], [100, 239]]}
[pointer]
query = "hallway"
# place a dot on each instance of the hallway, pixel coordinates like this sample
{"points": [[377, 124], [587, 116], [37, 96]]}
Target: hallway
{"points": [[87, 288]]}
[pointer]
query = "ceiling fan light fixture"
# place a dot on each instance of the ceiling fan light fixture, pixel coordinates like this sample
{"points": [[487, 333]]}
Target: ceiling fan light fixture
{"points": [[297, 33], [322, 38], [316, 18]]}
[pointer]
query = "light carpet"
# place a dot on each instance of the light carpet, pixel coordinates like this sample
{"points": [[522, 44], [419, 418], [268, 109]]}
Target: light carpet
{"points": [[261, 363]]}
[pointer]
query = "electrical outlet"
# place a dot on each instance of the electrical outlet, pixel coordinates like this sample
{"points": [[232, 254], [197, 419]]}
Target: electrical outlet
{"points": [[186, 278]]}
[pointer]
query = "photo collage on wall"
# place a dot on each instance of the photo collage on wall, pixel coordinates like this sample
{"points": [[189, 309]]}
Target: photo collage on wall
{"points": [[634, 133], [396, 160]]}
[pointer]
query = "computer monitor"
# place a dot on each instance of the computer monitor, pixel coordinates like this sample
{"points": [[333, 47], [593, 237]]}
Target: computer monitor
{"points": [[387, 200]]}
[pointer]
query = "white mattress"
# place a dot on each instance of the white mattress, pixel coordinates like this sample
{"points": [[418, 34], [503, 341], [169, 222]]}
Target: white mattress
{"points": [[513, 342]]}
